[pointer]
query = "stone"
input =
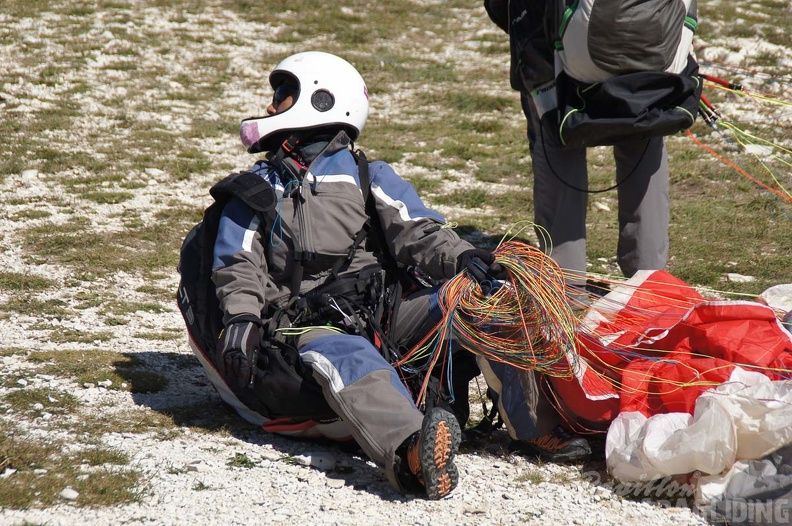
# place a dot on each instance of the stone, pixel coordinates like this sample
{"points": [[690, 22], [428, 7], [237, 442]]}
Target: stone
{"points": [[335, 483], [739, 278], [69, 494]]}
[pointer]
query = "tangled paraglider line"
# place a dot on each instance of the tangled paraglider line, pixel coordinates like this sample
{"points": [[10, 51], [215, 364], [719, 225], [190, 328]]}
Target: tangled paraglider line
{"points": [[528, 322], [524, 321]]}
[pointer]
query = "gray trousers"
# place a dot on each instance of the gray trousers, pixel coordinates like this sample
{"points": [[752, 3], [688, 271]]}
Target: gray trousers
{"points": [[643, 200], [366, 393], [362, 388]]}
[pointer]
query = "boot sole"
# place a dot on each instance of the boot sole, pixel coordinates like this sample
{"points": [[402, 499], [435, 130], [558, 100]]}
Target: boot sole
{"points": [[440, 438]]}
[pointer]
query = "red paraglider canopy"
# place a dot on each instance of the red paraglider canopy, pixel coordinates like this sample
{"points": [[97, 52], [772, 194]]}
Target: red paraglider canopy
{"points": [[654, 344]]}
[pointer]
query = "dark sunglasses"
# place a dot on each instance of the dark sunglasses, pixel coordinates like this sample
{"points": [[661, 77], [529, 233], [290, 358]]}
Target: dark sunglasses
{"points": [[283, 91]]}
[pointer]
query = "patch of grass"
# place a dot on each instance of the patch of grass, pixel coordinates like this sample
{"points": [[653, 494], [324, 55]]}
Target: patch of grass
{"points": [[173, 470], [108, 198], [12, 381], [31, 306], [203, 128], [79, 336], [26, 8], [157, 292], [470, 102], [168, 335], [44, 468], [241, 460], [120, 308], [87, 300], [114, 321], [39, 400], [288, 459], [426, 185], [563, 477], [109, 487], [189, 162], [74, 362], [531, 476], [94, 366], [132, 185], [472, 198], [12, 351], [127, 421], [16, 281], [133, 250], [30, 214]]}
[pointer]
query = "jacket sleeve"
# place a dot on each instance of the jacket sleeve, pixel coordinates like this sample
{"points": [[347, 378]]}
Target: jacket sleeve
{"points": [[239, 266], [498, 11], [415, 234]]}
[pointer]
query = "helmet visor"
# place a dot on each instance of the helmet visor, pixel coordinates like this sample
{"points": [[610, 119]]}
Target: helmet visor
{"points": [[283, 91]]}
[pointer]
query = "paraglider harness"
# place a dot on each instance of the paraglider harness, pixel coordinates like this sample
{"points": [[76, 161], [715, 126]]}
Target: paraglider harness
{"points": [[639, 99], [362, 303]]}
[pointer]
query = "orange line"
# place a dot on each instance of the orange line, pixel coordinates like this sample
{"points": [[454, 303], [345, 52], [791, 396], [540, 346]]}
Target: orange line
{"points": [[737, 168]]}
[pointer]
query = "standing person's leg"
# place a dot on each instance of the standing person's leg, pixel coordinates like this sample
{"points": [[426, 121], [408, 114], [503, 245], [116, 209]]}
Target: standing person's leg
{"points": [[560, 198], [643, 205]]}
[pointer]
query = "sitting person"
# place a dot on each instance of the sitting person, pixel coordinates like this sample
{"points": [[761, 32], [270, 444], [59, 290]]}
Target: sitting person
{"points": [[303, 295]]}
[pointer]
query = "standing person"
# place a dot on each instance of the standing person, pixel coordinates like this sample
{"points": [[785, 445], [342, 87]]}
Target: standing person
{"points": [[302, 293], [563, 60], [560, 172]]}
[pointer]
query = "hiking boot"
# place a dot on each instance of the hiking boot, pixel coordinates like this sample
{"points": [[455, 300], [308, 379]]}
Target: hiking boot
{"points": [[430, 458], [557, 446]]}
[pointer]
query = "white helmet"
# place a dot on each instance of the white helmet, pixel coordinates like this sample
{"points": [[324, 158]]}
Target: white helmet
{"points": [[331, 93]]}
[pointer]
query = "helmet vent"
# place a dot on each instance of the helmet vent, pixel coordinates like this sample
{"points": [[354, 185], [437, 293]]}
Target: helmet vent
{"points": [[322, 100]]}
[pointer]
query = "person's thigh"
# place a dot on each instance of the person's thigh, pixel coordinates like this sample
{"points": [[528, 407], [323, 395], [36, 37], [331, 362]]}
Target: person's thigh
{"points": [[644, 205], [560, 198]]}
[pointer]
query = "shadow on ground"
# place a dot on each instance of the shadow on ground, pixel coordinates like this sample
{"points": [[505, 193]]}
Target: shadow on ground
{"points": [[185, 395]]}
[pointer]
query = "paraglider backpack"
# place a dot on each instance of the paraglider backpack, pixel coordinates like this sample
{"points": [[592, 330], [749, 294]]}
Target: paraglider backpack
{"points": [[623, 70], [196, 296]]}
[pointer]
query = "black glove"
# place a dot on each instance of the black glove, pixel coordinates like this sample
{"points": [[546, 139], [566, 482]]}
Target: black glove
{"points": [[481, 265], [238, 349]]}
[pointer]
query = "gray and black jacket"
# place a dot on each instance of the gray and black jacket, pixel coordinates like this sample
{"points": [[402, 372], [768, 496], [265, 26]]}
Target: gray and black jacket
{"points": [[323, 213]]}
